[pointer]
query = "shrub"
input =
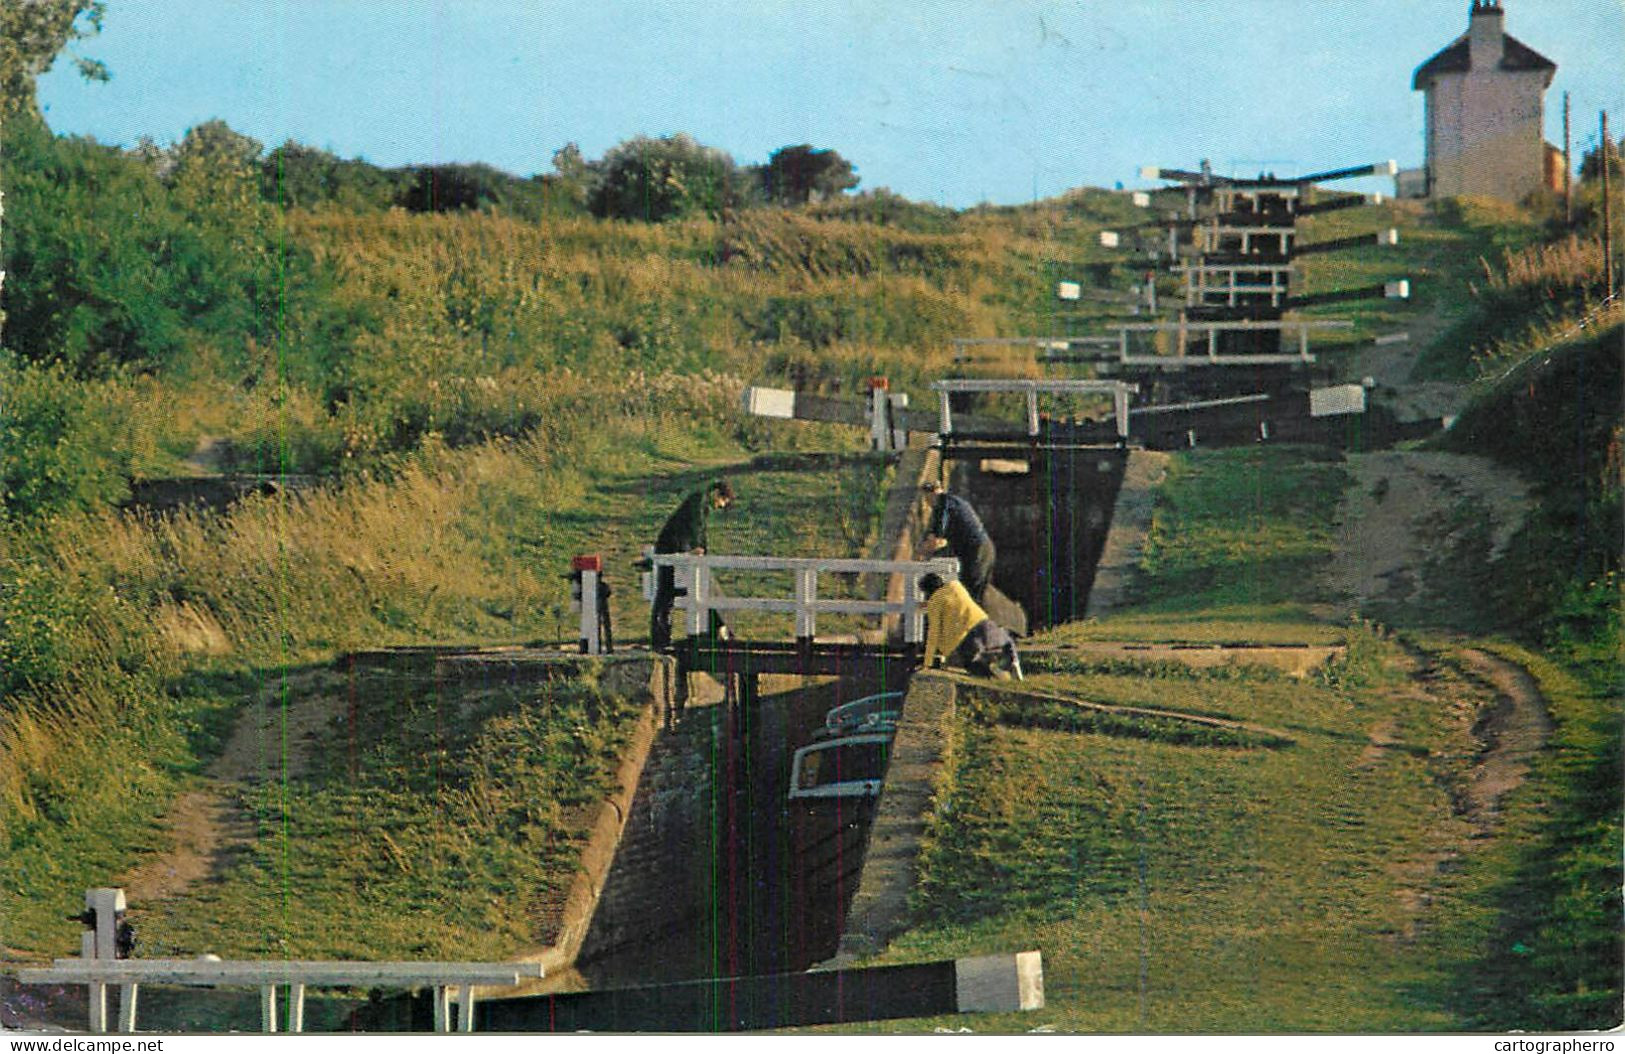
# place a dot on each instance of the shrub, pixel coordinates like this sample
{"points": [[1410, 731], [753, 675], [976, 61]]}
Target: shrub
{"points": [[662, 179], [59, 442]]}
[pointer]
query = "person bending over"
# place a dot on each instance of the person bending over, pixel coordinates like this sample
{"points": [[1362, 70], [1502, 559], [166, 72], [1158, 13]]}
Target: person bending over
{"points": [[958, 630], [684, 532]]}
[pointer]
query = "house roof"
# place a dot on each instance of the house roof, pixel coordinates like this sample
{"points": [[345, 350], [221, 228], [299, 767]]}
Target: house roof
{"points": [[1456, 59]]}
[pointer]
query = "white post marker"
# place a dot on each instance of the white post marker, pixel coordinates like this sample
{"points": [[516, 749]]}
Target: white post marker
{"points": [[880, 414], [588, 568], [770, 402]]}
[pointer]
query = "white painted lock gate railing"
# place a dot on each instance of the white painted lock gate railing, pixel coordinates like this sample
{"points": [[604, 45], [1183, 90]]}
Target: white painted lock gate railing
{"points": [[698, 597]]}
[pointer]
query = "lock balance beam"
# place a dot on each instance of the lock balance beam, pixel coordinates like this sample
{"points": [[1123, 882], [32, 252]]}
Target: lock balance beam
{"points": [[984, 984]]}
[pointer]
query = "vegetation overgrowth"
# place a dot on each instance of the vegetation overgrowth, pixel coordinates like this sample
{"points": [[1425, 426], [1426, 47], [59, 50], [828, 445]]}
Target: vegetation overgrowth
{"points": [[485, 377], [1522, 934]]}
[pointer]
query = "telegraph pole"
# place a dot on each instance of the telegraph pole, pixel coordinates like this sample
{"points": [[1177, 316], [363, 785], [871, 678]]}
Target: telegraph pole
{"points": [[1607, 214], [1568, 169]]}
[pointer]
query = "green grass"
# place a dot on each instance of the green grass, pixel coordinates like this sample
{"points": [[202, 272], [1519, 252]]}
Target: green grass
{"points": [[1439, 251], [1179, 888], [1246, 528], [1543, 948], [469, 546], [428, 813]]}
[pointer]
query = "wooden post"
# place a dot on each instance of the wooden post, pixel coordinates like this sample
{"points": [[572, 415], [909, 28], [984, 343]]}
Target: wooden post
{"points": [[699, 597], [268, 1008], [1607, 214], [806, 596], [105, 904], [587, 569], [442, 1008], [98, 1007], [913, 621], [1568, 169], [879, 414], [126, 1007]]}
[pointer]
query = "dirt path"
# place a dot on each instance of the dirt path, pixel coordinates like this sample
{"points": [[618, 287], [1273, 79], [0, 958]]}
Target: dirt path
{"points": [[1391, 365], [1404, 506], [275, 736], [1511, 731], [1508, 726]]}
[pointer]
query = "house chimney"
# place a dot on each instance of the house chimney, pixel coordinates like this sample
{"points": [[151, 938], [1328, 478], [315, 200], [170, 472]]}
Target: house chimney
{"points": [[1486, 34]]}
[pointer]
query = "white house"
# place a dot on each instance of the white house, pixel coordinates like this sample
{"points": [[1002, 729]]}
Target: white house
{"points": [[1485, 105]]}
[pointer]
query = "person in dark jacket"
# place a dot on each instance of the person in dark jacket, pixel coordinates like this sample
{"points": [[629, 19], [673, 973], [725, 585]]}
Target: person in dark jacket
{"points": [[684, 532], [955, 525]]}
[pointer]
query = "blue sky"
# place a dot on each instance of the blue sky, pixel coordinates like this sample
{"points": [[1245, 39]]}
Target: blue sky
{"points": [[953, 101]]}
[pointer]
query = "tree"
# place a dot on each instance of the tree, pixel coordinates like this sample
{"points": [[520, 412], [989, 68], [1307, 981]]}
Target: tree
{"points": [[1591, 163], [298, 176], [32, 34], [667, 178], [796, 175], [575, 176]]}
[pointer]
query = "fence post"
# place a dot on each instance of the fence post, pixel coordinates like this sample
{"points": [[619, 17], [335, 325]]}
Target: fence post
{"points": [[103, 920], [806, 595], [880, 436], [588, 568], [913, 618], [699, 596]]}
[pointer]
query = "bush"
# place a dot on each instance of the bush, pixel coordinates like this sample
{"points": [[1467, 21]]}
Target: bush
{"points": [[298, 176], [109, 265], [59, 442], [662, 179]]}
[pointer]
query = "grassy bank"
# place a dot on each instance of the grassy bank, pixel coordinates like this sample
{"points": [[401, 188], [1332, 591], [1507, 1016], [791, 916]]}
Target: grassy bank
{"points": [[180, 622], [1226, 882], [1221, 887]]}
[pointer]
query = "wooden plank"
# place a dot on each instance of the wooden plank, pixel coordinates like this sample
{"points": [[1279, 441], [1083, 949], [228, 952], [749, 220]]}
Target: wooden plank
{"points": [[1239, 325], [1029, 385], [834, 565], [824, 607], [251, 974]]}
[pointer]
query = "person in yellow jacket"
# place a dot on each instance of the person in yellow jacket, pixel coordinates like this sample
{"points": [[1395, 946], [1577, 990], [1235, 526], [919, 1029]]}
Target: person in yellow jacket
{"points": [[958, 629]]}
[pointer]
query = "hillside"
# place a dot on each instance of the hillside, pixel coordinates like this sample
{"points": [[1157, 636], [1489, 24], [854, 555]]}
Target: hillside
{"points": [[469, 398]]}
